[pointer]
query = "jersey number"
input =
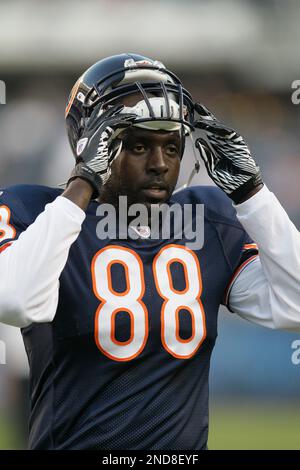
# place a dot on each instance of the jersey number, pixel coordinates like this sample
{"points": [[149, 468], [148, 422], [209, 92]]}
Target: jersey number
{"points": [[7, 231], [130, 301]]}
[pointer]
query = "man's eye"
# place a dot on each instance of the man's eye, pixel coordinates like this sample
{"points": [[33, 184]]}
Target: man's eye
{"points": [[172, 150], [139, 148]]}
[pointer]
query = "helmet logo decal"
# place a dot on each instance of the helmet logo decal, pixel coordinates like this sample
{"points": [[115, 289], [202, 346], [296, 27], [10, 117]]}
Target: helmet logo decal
{"points": [[72, 96]]}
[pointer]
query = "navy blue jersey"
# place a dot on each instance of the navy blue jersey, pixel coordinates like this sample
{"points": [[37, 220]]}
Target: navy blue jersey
{"points": [[125, 362]]}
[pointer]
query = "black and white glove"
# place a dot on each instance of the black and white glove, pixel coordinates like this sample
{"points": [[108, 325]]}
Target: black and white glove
{"points": [[226, 156], [99, 146]]}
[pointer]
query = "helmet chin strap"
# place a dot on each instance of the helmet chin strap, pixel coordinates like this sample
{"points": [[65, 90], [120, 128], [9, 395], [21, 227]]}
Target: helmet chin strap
{"points": [[194, 170]]}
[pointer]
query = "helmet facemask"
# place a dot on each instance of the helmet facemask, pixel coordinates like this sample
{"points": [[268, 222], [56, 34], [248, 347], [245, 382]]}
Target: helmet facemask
{"points": [[158, 98], [148, 80]]}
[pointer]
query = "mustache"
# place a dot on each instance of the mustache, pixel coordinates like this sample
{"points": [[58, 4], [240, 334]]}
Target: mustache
{"points": [[160, 184]]}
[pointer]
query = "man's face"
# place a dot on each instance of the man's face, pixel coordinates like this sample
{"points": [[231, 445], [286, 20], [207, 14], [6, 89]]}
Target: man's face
{"points": [[146, 171]]}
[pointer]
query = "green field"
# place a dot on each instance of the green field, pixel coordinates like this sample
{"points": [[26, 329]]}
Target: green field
{"points": [[242, 426], [249, 426], [9, 438]]}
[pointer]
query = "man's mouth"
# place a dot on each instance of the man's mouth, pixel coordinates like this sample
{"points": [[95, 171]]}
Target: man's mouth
{"points": [[156, 191]]}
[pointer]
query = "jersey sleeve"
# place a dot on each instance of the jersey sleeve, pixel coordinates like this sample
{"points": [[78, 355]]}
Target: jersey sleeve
{"points": [[13, 219], [249, 252], [34, 253], [239, 249], [267, 291]]}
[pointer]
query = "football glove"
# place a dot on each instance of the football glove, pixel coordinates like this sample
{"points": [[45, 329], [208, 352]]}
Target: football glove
{"points": [[99, 146], [226, 156]]}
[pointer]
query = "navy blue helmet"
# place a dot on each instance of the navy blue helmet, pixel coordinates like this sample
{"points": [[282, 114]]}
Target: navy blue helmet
{"points": [[164, 103]]}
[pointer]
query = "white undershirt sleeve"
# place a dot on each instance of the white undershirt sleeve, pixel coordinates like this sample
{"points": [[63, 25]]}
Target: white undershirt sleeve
{"points": [[267, 290], [30, 268]]}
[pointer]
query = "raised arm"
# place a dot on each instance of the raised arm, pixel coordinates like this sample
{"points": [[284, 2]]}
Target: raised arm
{"points": [[267, 290], [31, 265]]}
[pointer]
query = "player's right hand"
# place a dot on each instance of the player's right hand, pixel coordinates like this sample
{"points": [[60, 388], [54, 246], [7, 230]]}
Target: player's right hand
{"points": [[98, 146]]}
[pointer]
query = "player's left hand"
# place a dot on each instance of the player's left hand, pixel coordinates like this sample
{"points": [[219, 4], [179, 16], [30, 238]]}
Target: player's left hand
{"points": [[227, 157]]}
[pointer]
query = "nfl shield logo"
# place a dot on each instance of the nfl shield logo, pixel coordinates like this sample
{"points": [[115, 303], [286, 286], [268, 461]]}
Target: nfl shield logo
{"points": [[81, 144]]}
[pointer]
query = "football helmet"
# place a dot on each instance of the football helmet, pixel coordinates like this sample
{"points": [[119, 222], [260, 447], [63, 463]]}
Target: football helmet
{"points": [[164, 103]]}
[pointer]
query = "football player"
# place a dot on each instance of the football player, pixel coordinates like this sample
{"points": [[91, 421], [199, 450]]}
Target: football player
{"points": [[119, 331]]}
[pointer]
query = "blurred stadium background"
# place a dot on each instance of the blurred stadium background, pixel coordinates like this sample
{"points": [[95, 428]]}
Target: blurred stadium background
{"points": [[239, 58]]}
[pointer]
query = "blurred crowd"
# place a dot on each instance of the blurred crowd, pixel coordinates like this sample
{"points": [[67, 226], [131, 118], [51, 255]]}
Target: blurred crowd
{"points": [[34, 147]]}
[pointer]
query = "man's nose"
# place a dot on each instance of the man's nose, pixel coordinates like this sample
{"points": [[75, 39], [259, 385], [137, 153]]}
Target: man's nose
{"points": [[156, 162]]}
